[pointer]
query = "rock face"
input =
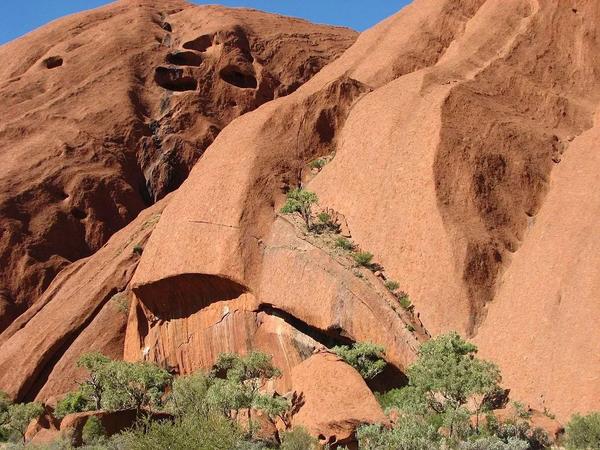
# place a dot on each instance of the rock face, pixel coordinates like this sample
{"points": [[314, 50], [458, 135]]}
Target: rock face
{"points": [[105, 112], [336, 399], [459, 118], [459, 137]]}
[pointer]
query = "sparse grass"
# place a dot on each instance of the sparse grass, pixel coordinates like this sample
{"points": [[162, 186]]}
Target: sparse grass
{"points": [[318, 164], [363, 259], [392, 285], [404, 300], [344, 244], [324, 218], [325, 222], [121, 301]]}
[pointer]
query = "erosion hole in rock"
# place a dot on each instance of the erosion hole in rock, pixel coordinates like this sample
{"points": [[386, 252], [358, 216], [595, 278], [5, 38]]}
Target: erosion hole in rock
{"points": [[167, 27], [53, 62], [325, 125], [200, 44], [182, 295], [233, 75], [174, 79], [184, 59], [78, 213]]}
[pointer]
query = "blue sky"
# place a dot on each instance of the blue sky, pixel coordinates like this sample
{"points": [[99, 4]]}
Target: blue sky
{"points": [[22, 16]]}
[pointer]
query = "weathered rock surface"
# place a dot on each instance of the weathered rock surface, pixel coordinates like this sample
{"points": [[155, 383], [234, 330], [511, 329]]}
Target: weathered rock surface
{"points": [[460, 140], [81, 311], [336, 399], [450, 125], [105, 112]]}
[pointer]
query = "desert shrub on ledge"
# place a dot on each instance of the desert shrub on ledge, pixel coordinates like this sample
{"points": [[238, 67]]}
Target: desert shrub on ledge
{"points": [[300, 201], [367, 358]]}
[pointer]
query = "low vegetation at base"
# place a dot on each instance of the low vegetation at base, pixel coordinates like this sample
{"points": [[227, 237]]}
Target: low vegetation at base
{"points": [[583, 432], [447, 405], [15, 418], [204, 411]]}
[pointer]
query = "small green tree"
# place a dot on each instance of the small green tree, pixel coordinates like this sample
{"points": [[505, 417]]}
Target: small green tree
{"points": [[134, 385], [300, 201], [447, 375], [96, 364], [273, 406], [20, 415], [238, 381], [367, 358], [583, 432], [404, 300]]}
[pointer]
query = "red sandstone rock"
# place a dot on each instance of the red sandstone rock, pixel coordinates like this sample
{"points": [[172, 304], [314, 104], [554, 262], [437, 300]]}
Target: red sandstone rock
{"points": [[460, 139], [106, 111], [336, 399], [78, 313]]}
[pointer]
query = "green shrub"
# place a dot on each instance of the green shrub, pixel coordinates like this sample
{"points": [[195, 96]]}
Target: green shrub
{"points": [[344, 244], [298, 439], [583, 432], [214, 432], [300, 201], [93, 431], [366, 358], [73, 402], [410, 328], [189, 395], [318, 163], [494, 443], [392, 285], [364, 259], [448, 374], [324, 218], [138, 250], [18, 418], [404, 300], [133, 385], [5, 403], [115, 385]]}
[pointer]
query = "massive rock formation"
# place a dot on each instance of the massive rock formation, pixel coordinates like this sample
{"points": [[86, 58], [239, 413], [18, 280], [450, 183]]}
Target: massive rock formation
{"points": [[105, 112], [459, 140]]}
